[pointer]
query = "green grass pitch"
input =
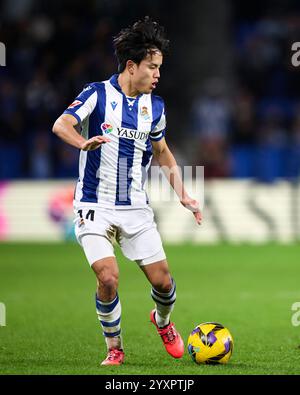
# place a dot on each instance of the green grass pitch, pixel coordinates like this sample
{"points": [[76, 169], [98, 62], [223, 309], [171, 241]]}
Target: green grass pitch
{"points": [[51, 325]]}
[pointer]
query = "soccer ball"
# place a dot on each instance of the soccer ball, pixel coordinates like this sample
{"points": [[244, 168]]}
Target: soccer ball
{"points": [[210, 343]]}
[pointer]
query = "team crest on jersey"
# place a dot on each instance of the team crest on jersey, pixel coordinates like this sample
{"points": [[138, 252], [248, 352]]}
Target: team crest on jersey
{"points": [[144, 113], [106, 128], [75, 103]]}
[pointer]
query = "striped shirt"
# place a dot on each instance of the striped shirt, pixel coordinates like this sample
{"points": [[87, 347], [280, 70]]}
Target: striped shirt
{"points": [[114, 175]]}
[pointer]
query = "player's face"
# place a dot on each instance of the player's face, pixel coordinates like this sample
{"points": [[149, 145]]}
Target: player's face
{"points": [[146, 74]]}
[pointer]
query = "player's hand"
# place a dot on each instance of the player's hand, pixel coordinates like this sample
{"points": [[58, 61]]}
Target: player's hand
{"points": [[94, 143], [192, 205]]}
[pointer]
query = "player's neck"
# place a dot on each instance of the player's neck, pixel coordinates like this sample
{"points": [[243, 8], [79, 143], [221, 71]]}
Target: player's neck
{"points": [[126, 85]]}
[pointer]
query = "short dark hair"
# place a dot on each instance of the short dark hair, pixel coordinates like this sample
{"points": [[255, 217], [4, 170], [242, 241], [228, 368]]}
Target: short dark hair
{"points": [[137, 41]]}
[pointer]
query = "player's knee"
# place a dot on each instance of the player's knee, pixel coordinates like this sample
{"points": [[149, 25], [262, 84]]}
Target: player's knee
{"points": [[107, 277], [108, 280], [107, 274], [162, 283]]}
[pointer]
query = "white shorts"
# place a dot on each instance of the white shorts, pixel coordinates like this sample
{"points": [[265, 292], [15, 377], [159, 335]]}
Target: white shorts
{"points": [[134, 230]]}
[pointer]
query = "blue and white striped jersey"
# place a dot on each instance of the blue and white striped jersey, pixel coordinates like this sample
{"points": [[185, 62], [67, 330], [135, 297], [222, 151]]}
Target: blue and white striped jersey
{"points": [[114, 175]]}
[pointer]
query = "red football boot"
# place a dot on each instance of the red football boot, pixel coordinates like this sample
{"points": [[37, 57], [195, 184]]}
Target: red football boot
{"points": [[114, 357], [170, 337]]}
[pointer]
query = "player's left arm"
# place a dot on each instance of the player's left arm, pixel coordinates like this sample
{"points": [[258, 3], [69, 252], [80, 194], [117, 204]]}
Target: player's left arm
{"points": [[167, 162]]}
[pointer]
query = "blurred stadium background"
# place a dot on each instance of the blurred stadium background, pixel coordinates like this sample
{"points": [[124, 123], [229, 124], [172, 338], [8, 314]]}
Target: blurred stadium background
{"points": [[232, 97], [233, 106]]}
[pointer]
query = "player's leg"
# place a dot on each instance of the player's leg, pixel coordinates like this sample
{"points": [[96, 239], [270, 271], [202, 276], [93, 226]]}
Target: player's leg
{"points": [[163, 290], [163, 293], [100, 254], [108, 306]]}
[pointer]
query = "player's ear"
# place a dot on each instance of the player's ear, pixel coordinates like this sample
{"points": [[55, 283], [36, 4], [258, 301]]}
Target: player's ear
{"points": [[130, 65]]}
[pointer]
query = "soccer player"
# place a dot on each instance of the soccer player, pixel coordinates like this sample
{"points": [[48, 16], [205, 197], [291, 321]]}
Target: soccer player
{"points": [[122, 124]]}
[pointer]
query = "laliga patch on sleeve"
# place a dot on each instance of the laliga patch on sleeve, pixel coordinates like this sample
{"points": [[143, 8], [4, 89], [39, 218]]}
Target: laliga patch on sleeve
{"points": [[75, 103]]}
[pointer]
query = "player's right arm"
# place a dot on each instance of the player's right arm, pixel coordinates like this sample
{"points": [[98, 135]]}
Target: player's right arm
{"points": [[72, 118], [64, 128]]}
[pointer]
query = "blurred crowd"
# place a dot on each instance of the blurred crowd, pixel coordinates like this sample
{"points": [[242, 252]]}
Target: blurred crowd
{"points": [[248, 128], [252, 129], [50, 56]]}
